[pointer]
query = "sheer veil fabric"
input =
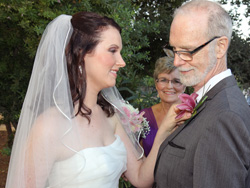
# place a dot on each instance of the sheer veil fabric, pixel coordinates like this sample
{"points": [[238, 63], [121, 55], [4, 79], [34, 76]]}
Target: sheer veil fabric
{"points": [[113, 96], [47, 130]]}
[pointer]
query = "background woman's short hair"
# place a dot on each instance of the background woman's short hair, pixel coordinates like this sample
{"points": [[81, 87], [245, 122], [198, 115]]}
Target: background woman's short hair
{"points": [[164, 65]]}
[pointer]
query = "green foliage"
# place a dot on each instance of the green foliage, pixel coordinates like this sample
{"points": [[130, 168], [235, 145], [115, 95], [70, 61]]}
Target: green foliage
{"points": [[238, 60], [158, 12], [125, 184], [145, 95], [5, 151]]}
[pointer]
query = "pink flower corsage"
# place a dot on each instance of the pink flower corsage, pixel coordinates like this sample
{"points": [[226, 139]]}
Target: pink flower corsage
{"points": [[137, 122], [189, 104]]}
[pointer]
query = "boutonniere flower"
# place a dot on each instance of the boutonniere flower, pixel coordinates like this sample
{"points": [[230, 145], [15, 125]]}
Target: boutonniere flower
{"points": [[189, 104], [138, 123]]}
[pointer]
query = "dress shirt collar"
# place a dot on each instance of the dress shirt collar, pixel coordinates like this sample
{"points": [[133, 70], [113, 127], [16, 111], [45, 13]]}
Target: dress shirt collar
{"points": [[212, 82]]}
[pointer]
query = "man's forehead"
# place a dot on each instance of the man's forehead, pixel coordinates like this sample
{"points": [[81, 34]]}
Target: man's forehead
{"points": [[187, 28]]}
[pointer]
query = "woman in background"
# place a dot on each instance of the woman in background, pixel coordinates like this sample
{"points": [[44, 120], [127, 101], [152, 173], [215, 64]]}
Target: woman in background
{"points": [[169, 87]]}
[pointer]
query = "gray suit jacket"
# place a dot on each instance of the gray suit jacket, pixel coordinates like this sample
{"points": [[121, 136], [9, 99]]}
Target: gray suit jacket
{"points": [[211, 150]]}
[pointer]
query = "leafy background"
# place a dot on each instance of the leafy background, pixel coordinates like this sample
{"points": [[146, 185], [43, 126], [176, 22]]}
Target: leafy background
{"points": [[145, 26]]}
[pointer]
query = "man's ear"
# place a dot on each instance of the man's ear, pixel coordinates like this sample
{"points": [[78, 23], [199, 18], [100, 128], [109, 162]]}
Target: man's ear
{"points": [[222, 46]]}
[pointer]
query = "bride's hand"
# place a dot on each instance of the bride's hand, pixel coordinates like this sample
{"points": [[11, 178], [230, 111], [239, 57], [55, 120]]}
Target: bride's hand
{"points": [[170, 123]]}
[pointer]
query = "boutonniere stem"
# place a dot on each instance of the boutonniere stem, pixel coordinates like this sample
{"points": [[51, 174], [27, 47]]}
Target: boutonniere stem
{"points": [[198, 105]]}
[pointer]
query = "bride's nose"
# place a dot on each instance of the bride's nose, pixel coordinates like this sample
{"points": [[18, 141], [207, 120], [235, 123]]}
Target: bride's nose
{"points": [[120, 62]]}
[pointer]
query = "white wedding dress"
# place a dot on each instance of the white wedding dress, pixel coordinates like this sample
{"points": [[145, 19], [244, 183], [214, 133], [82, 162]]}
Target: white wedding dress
{"points": [[97, 167]]}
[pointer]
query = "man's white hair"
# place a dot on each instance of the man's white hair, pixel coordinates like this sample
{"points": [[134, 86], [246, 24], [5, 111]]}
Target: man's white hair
{"points": [[219, 22]]}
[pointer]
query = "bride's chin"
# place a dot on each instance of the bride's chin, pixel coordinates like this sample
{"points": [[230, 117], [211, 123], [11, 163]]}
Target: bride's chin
{"points": [[112, 84]]}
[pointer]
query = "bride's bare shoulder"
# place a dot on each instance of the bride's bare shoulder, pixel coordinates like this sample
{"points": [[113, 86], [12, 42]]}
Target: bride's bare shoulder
{"points": [[50, 123]]}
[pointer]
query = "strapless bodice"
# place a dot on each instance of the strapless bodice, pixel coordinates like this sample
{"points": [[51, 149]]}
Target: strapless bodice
{"points": [[91, 168]]}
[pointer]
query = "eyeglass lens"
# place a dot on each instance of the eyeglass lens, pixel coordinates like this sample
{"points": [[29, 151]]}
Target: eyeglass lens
{"points": [[164, 81]]}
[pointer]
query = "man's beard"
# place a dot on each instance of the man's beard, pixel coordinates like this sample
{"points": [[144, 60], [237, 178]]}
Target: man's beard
{"points": [[197, 76]]}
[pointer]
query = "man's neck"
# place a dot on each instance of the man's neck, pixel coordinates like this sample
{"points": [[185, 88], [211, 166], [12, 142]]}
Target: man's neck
{"points": [[212, 82]]}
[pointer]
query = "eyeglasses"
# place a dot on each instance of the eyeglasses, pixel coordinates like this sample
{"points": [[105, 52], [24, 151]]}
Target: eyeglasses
{"points": [[164, 81], [188, 55]]}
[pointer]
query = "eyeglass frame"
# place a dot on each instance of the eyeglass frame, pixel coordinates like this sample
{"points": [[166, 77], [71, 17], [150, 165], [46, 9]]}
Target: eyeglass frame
{"points": [[189, 52], [171, 81]]}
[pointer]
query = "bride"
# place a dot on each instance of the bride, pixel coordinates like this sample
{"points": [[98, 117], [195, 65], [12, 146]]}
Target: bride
{"points": [[70, 133]]}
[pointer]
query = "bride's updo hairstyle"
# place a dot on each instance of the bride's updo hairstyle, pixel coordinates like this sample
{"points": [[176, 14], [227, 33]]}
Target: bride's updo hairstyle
{"points": [[87, 28]]}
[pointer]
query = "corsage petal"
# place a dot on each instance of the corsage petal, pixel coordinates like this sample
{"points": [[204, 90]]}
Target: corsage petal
{"points": [[189, 104], [194, 95], [187, 99], [180, 115], [185, 107]]}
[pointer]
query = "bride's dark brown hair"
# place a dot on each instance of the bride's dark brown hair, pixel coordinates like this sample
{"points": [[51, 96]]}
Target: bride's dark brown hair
{"points": [[87, 28]]}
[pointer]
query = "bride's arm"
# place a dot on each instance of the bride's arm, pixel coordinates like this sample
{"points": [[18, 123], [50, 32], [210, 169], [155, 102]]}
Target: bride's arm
{"points": [[140, 172]]}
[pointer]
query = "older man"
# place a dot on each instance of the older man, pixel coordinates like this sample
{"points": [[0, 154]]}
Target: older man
{"points": [[212, 149]]}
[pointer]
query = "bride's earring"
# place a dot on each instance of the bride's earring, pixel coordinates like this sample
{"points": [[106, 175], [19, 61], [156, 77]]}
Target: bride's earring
{"points": [[80, 69]]}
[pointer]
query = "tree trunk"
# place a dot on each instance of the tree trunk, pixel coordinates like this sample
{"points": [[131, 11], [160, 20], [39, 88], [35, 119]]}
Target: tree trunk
{"points": [[8, 128], [10, 134]]}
